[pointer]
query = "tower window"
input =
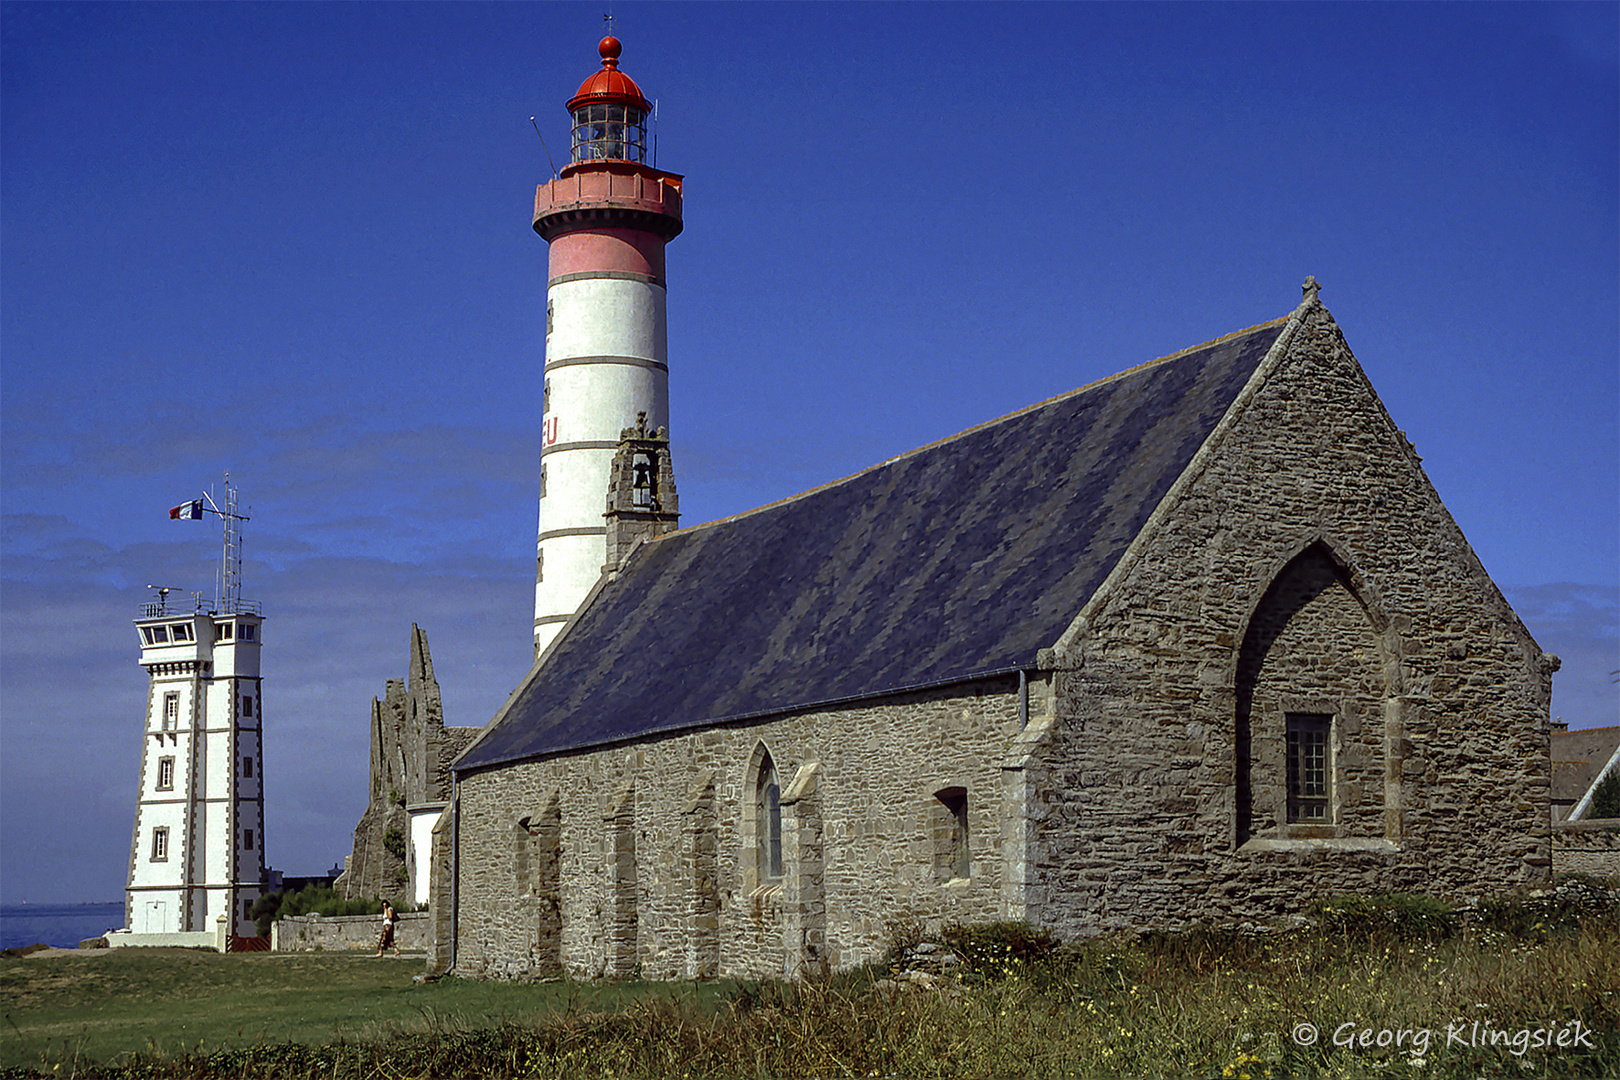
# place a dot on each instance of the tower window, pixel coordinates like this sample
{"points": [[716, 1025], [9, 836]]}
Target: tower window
{"points": [[247, 706], [247, 839], [247, 768], [247, 632], [157, 635], [171, 711], [160, 844], [1308, 767], [545, 397], [165, 776], [180, 632], [542, 481], [224, 631]]}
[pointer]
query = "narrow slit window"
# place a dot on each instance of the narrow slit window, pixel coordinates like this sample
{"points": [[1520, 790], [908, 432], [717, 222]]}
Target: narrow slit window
{"points": [[954, 855]]}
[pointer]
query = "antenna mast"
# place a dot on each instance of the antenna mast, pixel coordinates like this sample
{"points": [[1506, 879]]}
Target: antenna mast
{"points": [[230, 564]]}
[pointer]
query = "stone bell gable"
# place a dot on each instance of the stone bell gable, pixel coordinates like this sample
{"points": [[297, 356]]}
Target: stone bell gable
{"points": [[1198, 641]]}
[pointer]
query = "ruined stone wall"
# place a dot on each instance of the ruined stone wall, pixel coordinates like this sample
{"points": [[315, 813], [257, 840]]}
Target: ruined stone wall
{"points": [[643, 858], [1303, 564], [411, 751]]}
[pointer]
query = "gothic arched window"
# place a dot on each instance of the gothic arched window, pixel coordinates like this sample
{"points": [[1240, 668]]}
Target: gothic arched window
{"points": [[768, 819]]}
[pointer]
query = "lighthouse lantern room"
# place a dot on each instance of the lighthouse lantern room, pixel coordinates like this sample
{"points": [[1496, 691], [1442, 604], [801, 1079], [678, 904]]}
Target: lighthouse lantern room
{"points": [[607, 216]]}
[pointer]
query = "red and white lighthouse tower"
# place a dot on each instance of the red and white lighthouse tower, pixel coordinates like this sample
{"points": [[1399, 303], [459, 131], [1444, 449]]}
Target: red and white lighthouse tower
{"points": [[607, 217]]}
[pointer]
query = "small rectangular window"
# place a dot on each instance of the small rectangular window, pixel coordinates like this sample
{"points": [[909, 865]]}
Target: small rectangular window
{"points": [[171, 711], [146, 631], [247, 839], [247, 768], [247, 632], [165, 776], [160, 844], [247, 706], [180, 632], [160, 636], [224, 631], [1308, 767]]}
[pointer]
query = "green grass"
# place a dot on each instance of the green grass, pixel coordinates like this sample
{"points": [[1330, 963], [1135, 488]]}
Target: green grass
{"points": [[1216, 1004], [100, 1006]]}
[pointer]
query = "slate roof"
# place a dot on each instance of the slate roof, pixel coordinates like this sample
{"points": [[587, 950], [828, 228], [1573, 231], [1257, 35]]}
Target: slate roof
{"points": [[958, 560]]}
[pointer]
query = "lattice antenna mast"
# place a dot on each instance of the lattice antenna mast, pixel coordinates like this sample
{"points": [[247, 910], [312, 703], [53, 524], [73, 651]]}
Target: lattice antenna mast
{"points": [[230, 563]]}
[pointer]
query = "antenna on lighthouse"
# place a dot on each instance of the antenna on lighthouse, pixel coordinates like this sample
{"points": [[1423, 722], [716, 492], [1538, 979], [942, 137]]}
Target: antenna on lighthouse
{"points": [[230, 563], [545, 148]]}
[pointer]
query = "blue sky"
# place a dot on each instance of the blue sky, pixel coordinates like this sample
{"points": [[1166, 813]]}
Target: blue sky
{"points": [[293, 242]]}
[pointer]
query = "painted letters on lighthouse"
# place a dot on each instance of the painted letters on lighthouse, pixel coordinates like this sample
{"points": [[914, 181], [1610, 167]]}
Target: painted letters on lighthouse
{"points": [[607, 217]]}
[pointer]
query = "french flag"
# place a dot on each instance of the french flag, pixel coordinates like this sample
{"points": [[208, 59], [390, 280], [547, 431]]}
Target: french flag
{"points": [[188, 511]]}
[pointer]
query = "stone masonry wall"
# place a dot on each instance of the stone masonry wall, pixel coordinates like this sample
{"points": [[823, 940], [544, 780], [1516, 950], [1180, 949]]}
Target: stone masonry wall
{"points": [[1166, 801], [1587, 847], [340, 933], [657, 843]]}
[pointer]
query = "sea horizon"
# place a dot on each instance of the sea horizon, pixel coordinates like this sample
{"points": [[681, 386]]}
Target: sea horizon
{"points": [[61, 925]]}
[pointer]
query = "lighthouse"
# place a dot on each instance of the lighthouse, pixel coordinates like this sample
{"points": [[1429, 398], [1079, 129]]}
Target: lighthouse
{"points": [[607, 216], [196, 860]]}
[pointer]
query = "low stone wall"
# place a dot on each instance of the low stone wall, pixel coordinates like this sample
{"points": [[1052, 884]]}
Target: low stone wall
{"points": [[343, 933], [1589, 847]]}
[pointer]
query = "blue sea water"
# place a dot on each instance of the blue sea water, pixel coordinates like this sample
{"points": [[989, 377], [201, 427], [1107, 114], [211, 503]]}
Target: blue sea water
{"points": [[61, 925]]}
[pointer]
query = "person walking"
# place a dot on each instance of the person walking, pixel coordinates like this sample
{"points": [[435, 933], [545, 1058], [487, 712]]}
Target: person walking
{"points": [[386, 941]]}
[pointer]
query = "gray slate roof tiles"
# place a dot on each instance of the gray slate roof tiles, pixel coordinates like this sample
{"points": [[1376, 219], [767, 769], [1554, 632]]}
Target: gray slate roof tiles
{"points": [[960, 559]]}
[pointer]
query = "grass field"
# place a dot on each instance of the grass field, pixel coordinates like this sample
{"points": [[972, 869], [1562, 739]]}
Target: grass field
{"points": [[98, 1005], [1387, 993]]}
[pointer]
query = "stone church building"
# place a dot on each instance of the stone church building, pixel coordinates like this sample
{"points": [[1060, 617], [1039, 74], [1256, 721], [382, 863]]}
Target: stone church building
{"points": [[1198, 641]]}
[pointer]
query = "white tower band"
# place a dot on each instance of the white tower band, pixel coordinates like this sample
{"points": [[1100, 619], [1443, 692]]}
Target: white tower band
{"points": [[198, 849], [607, 217]]}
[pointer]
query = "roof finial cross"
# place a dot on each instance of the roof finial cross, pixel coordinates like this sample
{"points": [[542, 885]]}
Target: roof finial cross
{"points": [[1311, 289]]}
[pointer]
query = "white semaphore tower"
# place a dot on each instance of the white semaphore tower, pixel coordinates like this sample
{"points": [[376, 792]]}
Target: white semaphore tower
{"points": [[607, 217], [198, 847]]}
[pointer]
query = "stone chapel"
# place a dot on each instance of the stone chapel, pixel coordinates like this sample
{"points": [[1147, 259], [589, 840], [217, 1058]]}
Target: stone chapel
{"points": [[1198, 641]]}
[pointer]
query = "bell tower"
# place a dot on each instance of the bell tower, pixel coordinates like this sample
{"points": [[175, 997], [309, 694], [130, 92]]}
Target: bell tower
{"points": [[607, 217]]}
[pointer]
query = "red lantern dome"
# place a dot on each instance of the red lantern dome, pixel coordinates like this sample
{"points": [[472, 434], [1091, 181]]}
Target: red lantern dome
{"points": [[610, 85]]}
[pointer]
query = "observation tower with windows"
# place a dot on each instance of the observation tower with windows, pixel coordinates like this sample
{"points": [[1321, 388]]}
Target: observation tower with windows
{"points": [[607, 216], [198, 848]]}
